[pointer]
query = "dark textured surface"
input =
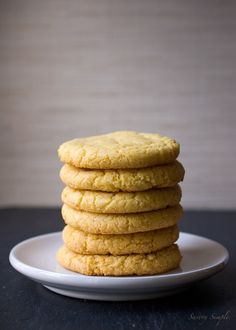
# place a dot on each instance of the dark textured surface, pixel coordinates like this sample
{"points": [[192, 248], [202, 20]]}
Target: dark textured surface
{"points": [[27, 305]]}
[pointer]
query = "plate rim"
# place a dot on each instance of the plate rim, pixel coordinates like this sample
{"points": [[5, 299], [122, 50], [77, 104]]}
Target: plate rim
{"points": [[42, 275]]}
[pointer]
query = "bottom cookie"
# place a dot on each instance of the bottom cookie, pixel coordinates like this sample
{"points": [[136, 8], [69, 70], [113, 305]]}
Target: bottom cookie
{"points": [[133, 264]]}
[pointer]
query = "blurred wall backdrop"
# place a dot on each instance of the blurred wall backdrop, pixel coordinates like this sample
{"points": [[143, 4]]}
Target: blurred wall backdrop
{"points": [[75, 68]]}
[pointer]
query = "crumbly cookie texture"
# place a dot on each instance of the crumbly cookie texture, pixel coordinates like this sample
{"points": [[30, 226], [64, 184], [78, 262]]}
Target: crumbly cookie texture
{"points": [[146, 242], [134, 264], [98, 223], [123, 180], [123, 149], [121, 202]]}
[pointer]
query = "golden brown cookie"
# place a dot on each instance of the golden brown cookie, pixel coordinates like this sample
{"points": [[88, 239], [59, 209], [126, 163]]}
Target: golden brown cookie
{"points": [[123, 180], [101, 223], [133, 264], [121, 202], [123, 149], [146, 242]]}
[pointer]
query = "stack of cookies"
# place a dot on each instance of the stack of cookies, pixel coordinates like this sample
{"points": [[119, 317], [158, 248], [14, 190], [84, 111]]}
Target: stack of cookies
{"points": [[121, 204]]}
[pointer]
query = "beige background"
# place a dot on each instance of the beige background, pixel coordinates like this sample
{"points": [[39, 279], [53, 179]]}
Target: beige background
{"points": [[77, 68]]}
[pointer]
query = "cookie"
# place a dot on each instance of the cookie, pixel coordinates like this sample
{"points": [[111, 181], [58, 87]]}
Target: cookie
{"points": [[146, 242], [123, 180], [123, 149], [121, 202], [98, 223], [133, 264]]}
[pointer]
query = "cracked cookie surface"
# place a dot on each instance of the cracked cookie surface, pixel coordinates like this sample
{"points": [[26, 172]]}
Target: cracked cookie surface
{"points": [[121, 202], [98, 223], [124, 179], [146, 242], [134, 264], [117, 150]]}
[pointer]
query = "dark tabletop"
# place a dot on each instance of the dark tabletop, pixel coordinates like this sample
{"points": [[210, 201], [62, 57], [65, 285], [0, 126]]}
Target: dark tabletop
{"points": [[24, 304]]}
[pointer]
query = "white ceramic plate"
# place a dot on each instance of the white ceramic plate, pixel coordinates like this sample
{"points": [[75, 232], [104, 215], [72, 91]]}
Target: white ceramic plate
{"points": [[35, 258]]}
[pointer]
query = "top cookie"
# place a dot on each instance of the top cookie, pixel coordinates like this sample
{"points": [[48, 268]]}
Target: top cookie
{"points": [[123, 149]]}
